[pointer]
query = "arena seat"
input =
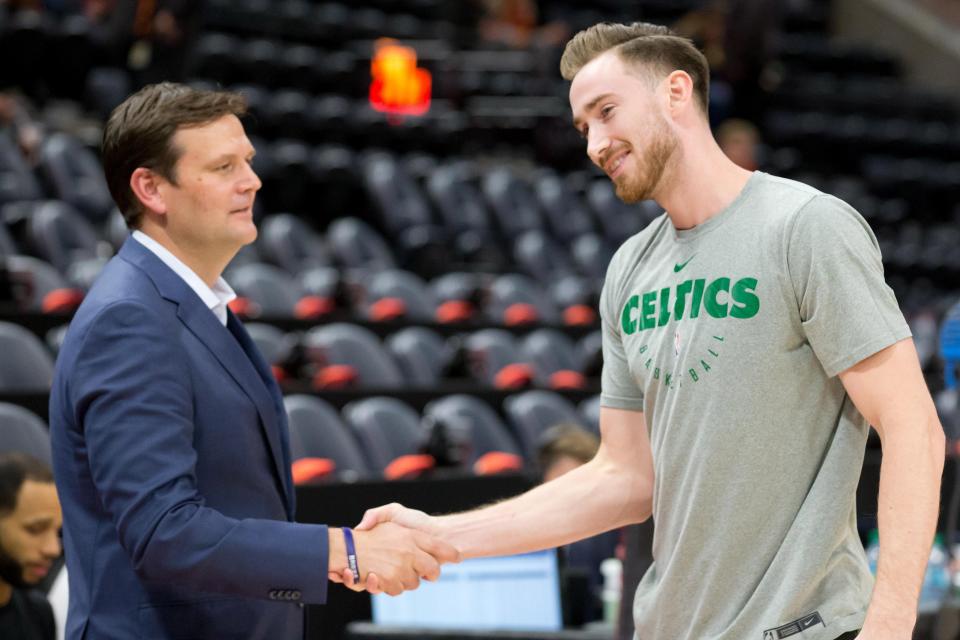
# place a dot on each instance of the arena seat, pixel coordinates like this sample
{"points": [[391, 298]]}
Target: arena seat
{"points": [[23, 431], [421, 354], [17, 181], [512, 202], [517, 299], [75, 176], [487, 432], [395, 294], [554, 359], [318, 431], [355, 244], [565, 212], [618, 221], [541, 256], [495, 359], [59, 234], [288, 241], [590, 410], [26, 365], [46, 289], [270, 290], [389, 433], [533, 412], [355, 347], [592, 255]]}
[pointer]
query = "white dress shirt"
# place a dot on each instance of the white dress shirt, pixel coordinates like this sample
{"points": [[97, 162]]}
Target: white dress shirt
{"points": [[216, 299]]}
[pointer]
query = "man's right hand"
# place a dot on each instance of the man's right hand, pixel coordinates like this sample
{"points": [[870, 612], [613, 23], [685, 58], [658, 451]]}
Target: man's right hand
{"points": [[391, 558]]}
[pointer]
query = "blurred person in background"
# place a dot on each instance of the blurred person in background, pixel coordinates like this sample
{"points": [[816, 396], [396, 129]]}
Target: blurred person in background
{"points": [[740, 141], [30, 521], [17, 122]]}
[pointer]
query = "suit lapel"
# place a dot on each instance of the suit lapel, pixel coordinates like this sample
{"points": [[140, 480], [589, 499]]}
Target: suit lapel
{"points": [[281, 444], [234, 350]]}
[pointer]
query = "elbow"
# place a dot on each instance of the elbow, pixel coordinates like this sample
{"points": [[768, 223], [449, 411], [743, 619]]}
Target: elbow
{"points": [[638, 506], [644, 507], [163, 552]]}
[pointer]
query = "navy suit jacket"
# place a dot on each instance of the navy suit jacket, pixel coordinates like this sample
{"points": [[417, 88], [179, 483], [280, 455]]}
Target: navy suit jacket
{"points": [[172, 462]]}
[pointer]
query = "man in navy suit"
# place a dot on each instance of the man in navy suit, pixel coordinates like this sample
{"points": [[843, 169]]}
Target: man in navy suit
{"points": [[170, 443]]}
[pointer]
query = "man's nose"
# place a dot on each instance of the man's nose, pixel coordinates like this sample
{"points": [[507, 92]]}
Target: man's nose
{"points": [[251, 181], [597, 144], [51, 545]]}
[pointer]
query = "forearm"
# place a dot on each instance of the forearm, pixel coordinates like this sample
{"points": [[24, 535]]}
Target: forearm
{"points": [[907, 514], [596, 497]]}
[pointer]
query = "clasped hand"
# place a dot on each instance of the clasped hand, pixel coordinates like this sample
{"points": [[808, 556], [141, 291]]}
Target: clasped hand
{"points": [[393, 554]]}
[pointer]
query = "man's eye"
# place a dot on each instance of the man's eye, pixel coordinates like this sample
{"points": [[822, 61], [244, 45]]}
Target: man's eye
{"points": [[606, 111], [224, 167]]}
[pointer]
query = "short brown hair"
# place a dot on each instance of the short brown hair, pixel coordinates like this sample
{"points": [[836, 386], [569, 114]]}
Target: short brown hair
{"points": [[566, 440], [639, 43], [15, 469], [139, 133]]}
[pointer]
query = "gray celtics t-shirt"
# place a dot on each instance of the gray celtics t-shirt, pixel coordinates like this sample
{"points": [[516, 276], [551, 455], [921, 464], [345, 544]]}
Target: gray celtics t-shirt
{"points": [[729, 337]]}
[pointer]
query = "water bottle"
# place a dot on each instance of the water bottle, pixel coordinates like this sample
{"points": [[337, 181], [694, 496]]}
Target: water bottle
{"points": [[936, 581], [612, 570]]}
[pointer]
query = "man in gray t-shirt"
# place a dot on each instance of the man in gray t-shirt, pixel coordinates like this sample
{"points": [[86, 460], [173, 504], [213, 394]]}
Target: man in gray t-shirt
{"points": [[748, 340], [728, 337]]}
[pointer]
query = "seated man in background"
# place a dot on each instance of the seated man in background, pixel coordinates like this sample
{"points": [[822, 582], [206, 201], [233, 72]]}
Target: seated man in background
{"points": [[30, 521], [563, 448]]}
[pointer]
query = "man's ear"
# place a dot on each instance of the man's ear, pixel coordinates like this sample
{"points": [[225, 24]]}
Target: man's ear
{"points": [[146, 186], [679, 91]]}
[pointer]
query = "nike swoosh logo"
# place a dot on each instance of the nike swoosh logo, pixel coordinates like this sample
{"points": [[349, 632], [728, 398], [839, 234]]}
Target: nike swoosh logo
{"points": [[677, 267]]}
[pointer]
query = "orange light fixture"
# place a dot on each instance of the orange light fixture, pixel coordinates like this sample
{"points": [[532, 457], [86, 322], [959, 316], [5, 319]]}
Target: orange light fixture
{"points": [[398, 87]]}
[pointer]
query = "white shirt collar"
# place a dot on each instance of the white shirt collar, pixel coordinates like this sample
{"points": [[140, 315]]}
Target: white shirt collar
{"points": [[216, 298]]}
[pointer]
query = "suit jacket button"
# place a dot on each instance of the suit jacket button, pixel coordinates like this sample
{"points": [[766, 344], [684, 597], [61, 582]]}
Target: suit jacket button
{"points": [[273, 594], [295, 595]]}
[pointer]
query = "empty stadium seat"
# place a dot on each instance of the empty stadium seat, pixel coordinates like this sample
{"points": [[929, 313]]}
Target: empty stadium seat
{"points": [[390, 435], [358, 349], [397, 294], [62, 236], [554, 359], [399, 200], [356, 244], [317, 431], [563, 209], [45, 290], [263, 289], [540, 256], [512, 201], [533, 412], [75, 176], [23, 431], [590, 410], [496, 359], [515, 299], [17, 182], [487, 432], [26, 365], [421, 354], [289, 242], [618, 220], [592, 255]]}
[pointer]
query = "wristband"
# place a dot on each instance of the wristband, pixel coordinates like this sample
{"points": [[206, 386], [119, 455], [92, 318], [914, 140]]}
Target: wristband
{"points": [[351, 554]]}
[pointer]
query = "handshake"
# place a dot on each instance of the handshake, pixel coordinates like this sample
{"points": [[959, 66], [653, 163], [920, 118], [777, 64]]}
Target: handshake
{"points": [[391, 550]]}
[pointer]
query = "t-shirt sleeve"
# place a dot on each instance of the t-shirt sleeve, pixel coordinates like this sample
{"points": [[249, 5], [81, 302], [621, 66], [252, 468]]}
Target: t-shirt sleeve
{"points": [[847, 310], [618, 388]]}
